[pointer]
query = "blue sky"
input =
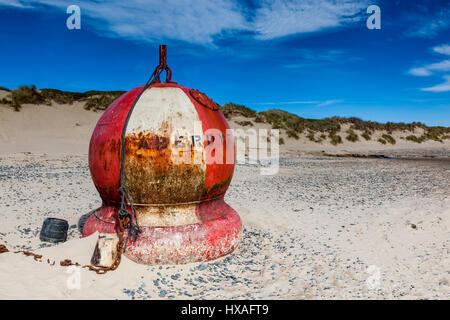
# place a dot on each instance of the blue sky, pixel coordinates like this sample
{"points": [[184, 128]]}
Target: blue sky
{"points": [[313, 58]]}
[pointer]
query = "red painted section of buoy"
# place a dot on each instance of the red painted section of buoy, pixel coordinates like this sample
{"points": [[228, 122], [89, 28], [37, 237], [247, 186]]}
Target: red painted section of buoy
{"points": [[218, 176], [218, 234], [104, 148]]}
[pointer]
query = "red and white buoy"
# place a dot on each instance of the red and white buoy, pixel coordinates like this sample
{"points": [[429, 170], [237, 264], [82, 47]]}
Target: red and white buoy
{"points": [[160, 143]]}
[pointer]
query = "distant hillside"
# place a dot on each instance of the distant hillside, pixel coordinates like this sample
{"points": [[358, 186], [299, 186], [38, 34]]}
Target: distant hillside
{"points": [[334, 130], [320, 130], [94, 100]]}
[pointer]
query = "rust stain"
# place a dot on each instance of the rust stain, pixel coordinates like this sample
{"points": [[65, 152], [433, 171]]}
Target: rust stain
{"points": [[152, 142], [151, 176], [203, 99]]}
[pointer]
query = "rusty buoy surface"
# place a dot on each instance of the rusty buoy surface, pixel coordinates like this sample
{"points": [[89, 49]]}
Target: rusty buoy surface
{"points": [[170, 172]]}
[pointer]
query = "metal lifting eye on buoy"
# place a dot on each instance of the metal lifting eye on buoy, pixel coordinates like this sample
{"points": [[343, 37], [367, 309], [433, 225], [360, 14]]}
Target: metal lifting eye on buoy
{"points": [[162, 65]]}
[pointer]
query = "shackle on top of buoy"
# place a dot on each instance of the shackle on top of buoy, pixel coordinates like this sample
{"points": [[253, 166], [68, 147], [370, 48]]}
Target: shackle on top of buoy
{"points": [[162, 66]]}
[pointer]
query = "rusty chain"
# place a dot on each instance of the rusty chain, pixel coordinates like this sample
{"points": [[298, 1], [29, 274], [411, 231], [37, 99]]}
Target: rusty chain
{"points": [[68, 262], [3, 248], [120, 244]]}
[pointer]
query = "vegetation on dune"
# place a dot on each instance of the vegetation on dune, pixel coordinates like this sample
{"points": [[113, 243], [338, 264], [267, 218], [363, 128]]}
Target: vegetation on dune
{"points": [[230, 109], [388, 138], [431, 133], [328, 128], [371, 126], [351, 136], [292, 134], [414, 138], [100, 103], [244, 123], [6, 101], [334, 139], [25, 94], [62, 97], [317, 130], [94, 100], [311, 136], [366, 135]]}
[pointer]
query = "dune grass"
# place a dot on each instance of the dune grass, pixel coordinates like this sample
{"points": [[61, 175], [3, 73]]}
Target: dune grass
{"points": [[351, 136], [388, 138], [366, 135], [330, 127], [244, 123], [94, 100], [317, 130]]}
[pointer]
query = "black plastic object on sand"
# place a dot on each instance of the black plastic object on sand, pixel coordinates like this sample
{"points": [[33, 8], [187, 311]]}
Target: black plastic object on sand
{"points": [[54, 230]]}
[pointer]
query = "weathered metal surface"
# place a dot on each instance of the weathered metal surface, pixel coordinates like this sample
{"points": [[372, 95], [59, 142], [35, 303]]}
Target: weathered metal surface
{"points": [[151, 176], [171, 174], [103, 220], [167, 215], [218, 175], [217, 234], [104, 151], [106, 250], [203, 99], [104, 148]]}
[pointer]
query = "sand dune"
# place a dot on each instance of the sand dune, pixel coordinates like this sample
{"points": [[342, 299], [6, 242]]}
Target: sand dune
{"points": [[66, 129], [56, 129]]}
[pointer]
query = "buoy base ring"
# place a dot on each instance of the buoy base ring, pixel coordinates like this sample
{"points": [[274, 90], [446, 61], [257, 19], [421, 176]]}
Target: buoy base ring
{"points": [[218, 234]]}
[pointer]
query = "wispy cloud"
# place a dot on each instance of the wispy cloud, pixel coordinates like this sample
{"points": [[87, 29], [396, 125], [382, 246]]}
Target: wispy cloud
{"points": [[428, 70], [328, 102], [315, 58], [443, 87], [437, 67], [201, 21], [148, 21], [426, 24], [14, 3], [316, 103], [278, 18], [285, 102], [442, 49]]}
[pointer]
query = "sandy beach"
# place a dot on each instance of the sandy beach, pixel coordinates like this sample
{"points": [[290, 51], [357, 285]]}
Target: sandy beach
{"points": [[312, 231]]}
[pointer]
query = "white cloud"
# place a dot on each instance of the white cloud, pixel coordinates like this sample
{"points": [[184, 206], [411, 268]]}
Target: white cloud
{"points": [[420, 71], [13, 3], [199, 21], [438, 67], [443, 87], [277, 18], [428, 70], [427, 25], [192, 21], [317, 103], [286, 102], [328, 102], [442, 49]]}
